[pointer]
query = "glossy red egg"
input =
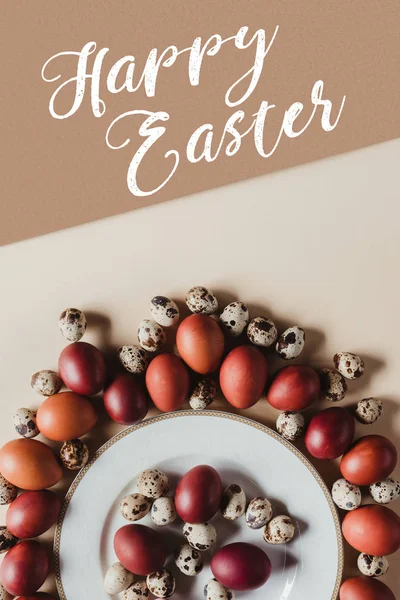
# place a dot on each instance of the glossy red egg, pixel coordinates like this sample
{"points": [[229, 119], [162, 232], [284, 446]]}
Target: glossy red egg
{"points": [[365, 588], [25, 568], [330, 433], [167, 381], [140, 549], [241, 566], [294, 388], [371, 458], [243, 376], [82, 368], [33, 513], [373, 529], [198, 495], [200, 343], [125, 400]]}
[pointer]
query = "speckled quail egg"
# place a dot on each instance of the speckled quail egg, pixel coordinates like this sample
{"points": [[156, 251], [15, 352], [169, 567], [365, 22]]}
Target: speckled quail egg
{"points": [[372, 566], [8, 491], [385, 491], [151, 335], [117, 579], [261, 331], [72, 324], [133, 358], [4, 595], [46, 382], [333, 385], [346, 495], [7, 540], [203, 394], [291, 343], [74, 454], [188, 560], [280, 530], [201, 536], [235, 318], [24, 420], [349, 365], [152, 483], [161, 583], [290, 425], [258, 513], [163, 511], [137, 591], [134, 507], [368, 410], [233, 503], [214, 590], [164, 311], [201, 300]]}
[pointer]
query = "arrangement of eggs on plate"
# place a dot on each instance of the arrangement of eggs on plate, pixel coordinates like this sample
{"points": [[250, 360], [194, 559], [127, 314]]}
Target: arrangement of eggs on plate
{"points": [[224, 349]]}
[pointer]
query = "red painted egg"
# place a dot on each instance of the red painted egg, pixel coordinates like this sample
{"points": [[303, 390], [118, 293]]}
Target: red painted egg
{"points": [[125, 400], [167, 381], [198, 495], [241, 566], [140, 549], [330, 433], [371, 458], [294, 388], [25, 568], [200, 343], [33, 513], [373, 529], [365, 588], [82, 368], [243, 376]]}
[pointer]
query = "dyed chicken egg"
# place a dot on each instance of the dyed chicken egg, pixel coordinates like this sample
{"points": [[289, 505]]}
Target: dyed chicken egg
{"points": [[151, 335], [198, 494], [8, 492], [33, 513], [7, 540], [164, 311], [46, 382], [235, 318], [333, 385], [167, 382], [243, 376], [24, 420], [233, 503], [163, 511], [385, 491], [140, 549], [291, 343], [261, 331], [203, 394], [74, 454], [72, 324], [372, 529], [133, 358], [66, 416], [29, 464], [368, 410], [241, 566], [188, 560], [294, 388], [117, 579], [161, 584], [349, 365], [290, 425], [137, 591], [214, 590], [82, 368], [346, 495], [200, 343], [280, 530], [201, 300], [25, 568], [365, 588], [370, 459], [200, 536], [258, 513], [152, 483], [372, 566]]}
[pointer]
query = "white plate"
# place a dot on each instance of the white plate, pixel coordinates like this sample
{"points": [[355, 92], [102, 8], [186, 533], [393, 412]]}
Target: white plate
{"points": [[243, 452]]}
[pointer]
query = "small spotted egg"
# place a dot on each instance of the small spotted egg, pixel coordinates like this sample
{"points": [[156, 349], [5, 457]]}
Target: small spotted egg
{"points": [[280, 530], [235, 318], [203, 394], [333, 385], [117, 579], [74, 454], [161, 583], [201, 300], [290, 425], [134, 507], [368, 410], [7, 540], [72, 324], [346, 495], [4, 595], [24, 420], [151, 335], [46, 382], [163, 511], [8, 491], [258, 513], [214, 590], [133, 358], [349, 365], [164, 311], [262, 332], [233, 504], [372, 566], [152, 483], [200, 536], [137, 591], [385, 491], [188, 560], [291, 343]]}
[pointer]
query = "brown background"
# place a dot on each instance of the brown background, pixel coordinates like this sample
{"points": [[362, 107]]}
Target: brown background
{"points": [[60, 173]]}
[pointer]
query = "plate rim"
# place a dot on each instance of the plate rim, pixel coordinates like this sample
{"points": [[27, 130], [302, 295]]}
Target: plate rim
{"points": [[199, 413]]}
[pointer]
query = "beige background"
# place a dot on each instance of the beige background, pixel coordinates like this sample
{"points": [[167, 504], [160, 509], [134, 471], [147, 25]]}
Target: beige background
{"points": [[316, 245]]}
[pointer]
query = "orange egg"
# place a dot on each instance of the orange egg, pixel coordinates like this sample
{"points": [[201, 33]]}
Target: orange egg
{"points": [[29, 464], [372, 529], [370, 459], [200, 343], [65, 416], [167, 381], [365, 588], [243, 376]]}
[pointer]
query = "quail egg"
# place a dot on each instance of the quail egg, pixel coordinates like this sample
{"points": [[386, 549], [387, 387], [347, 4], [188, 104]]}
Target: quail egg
{"points": [[8, 491], [291, 343], [4, 595], [346, 495], [280, 530], [368, 410], [133, 358], [117, 579], [161, 584], [200, 536], [258, 513], [134, 507], [72, 324], [201, 300], [385, 491], [235, 318], [152, 483], [188, 560], [74, 454], [203, 394], [214, 590], [24, 420], [164, 311], [151, 335], [349, 365], [333, 385], [46, 382], [372, 566], [7, 540], [290, 425], [137, 591], [163, 511], [262, 332], [233, 504]]}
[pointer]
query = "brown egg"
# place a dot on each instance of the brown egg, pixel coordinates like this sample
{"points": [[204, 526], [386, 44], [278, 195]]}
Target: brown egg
{"points": [[372, 458], [65, 416], [365, 588], [373, 529], [200, 343], [29, 464], [167, 381], [243, 376]]}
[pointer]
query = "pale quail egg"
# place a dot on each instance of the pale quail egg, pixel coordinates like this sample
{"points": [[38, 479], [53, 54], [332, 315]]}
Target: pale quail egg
{"points": [[152, 483], [188, 560], [262, 332], [235, 318], [201, 300], [349, 365], [385, 491], [372, 566], [133, 358], [203, 394], [163, 511], [151, 335], [46, 382], [346, 495], [200, 536], [135, 506], [280, 530], [233, 504], [291, 343], [7, 540], [8, 491], [74, 454], [164, 311], [72, 324], [4, 595], [258, 513], [290, 425], [368, 410], [161, 584], [137, 591], [333, 385], [117, 579], [24, 420], [214, 590]]}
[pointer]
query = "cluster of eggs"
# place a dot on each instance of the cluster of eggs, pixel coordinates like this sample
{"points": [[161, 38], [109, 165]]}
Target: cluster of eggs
{"points": [[199, 496]]}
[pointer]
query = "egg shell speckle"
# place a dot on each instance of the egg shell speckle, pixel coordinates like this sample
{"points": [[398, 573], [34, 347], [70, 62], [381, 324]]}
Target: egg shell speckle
{"points": [[385, 491], [137, 591], [201, 300], [117, 579], [233, 504], [368, 410], [163, 511], [290, 425], [261, 331], [346, 495], [235, 318], [134, 507], [72, 324], [372, 566], [133, 358], [203, 394], [258, 513], [280, 530], [189, 560], [24, 420], [74, 454], [214, 590], [200, 536], [4, 595], [164, 311], [161, 584], [349, 365], [7, 540], [152, 483], [8, 491], [291, 343], [333, 385], [46, 382], [151, 335]]}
